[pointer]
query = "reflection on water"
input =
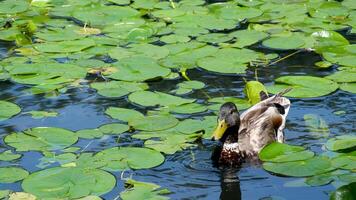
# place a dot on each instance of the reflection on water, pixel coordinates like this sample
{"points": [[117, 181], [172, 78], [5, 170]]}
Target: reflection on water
{"points": [[230, 185]]}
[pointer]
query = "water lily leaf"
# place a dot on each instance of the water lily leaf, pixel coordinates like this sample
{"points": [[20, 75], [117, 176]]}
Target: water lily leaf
{"points": [[62, 159], [214, 38], [65, 46], [13, 6], [114, 128], [8, 156], [42, 114], [344, 192], [21, 196], [59, 34], [323, 64], [316, 124], [12, 174], [149, 50], [341, 143], [188, 86], [154, 122], [328, 39], [120, 2], [123, 114], [221, 65], [345, 161], [189, 126], [147, 98], [310, 167], [121, 158], [247, 37], [348, 87], [347, 178], [303, 86], [169, 39], [8, 110], [343, 76], [89, 133], [91, 197], [278, 152], [71, 182], [252, 91], [41, 139], [4, 193], [118, 88], [189, 108], [241, 104], [138, 68], [319, 180], [142, 191], [284, 43]]}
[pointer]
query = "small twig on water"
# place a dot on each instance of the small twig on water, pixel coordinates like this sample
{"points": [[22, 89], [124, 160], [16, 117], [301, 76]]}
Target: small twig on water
{"points": [[285, 57]]}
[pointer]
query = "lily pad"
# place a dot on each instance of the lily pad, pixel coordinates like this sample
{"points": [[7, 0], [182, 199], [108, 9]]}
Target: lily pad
{"points": [[89, 133], [114, 128], [343, 76], [64, 46], [142, 191], [121, 158], [41, 139], [345, 161], [310, 167], [284, 43], [13, 6], [12, 174], [344, 192], [189, 108], [118, 88], [70, 182], [147, 98], [8, 110], [303, 86], [8, 156], [278, 152], [252, 91], [154, 122], [188, 86], [241, 104], [341, 143], [42, 114], [123, 114], [348, 87], [247, 37]]}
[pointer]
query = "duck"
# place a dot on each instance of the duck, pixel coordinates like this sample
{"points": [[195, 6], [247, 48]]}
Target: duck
{"points": [[244, 136]]}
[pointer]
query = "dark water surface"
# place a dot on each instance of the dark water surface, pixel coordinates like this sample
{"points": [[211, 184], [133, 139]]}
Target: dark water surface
{"points": [[190, 174]]}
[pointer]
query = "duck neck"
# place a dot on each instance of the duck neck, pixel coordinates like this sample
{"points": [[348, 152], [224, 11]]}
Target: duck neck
{"points": [[231, 135]]}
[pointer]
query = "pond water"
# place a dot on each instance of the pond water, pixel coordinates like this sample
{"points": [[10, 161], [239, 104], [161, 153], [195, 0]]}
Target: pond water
{"points": [[189, 173]]}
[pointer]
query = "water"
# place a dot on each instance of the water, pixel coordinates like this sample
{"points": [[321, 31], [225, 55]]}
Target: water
{"points": [[190, 174]]}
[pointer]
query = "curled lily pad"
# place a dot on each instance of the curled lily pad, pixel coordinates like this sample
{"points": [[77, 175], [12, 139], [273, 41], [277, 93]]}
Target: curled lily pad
{"points": [[41, 139], [123, 114], [117, 88], [142, 190], [70, 182], [341, 143], [121, 158], [252, 90], [278, 152], [154, 122], [12, 174], [147, 98], [303, 86], [8, 110], [310, 167]]}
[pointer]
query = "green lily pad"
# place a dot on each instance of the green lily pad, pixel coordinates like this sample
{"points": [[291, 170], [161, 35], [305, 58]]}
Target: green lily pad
{"points": [[12, 174], [348, 87], [319, 180], [8, 156], [13, 6], [143, 190], [214, 38], [62, 159], [123, 114], [343, 76], [284, 43], [303, 86], [310, 167], [89, 133], [252, 91], [247, 37], [345, 161], [8, 110], [221, 65], [42, 114], [118, 88], [189, 108], [41, 139], [147, 98], [121, 158], [341, 143], [188, 86], [154, 122], [344, 192], [114, 128], [169, 39], [241, 104], [278, 152], [4, 193], [69, 182], [64, 46]]}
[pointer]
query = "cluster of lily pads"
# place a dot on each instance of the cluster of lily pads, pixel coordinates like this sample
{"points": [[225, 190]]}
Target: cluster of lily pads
{"points": [[125, 45]]}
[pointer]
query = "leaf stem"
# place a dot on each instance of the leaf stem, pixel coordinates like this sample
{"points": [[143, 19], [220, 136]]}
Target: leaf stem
{"points": [[285, 57]]}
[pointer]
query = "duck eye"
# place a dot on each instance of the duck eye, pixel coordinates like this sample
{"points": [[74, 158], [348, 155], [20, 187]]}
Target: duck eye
{"points": [[232, 111]]}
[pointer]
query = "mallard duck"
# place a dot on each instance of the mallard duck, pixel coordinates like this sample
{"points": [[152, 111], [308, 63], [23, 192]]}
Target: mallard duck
{"points": [[245, 136]]}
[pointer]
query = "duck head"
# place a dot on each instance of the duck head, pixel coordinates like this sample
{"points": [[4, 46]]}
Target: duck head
{"points": [[228, 122]]}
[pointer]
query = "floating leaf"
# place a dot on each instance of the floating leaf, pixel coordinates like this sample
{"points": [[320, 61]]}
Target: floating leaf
{"points": [[117, 88], [62, 159], [241, 104], [4, 193], [319, 180], [341, 143], [303, 86], [142, 191], [154, 122], [188, 108], [13, 6], [345, 161], [284, 43], [89, 133], [42, 114], [8, 156], [12, 174], [147, 98], [252, 90], [344, 192], [123, 114], [121, 158], [348, 87], [278, 152], [316, 124], [310, 167], [8, 110], [247, 37], [188, 86], [114, 128], [64, 46], [41, 139], [69, 182], [221, 65], [343, 76]]}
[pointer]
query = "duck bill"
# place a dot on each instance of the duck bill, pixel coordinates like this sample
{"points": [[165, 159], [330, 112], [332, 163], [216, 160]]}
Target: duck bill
{"points": [[220, 130]]}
